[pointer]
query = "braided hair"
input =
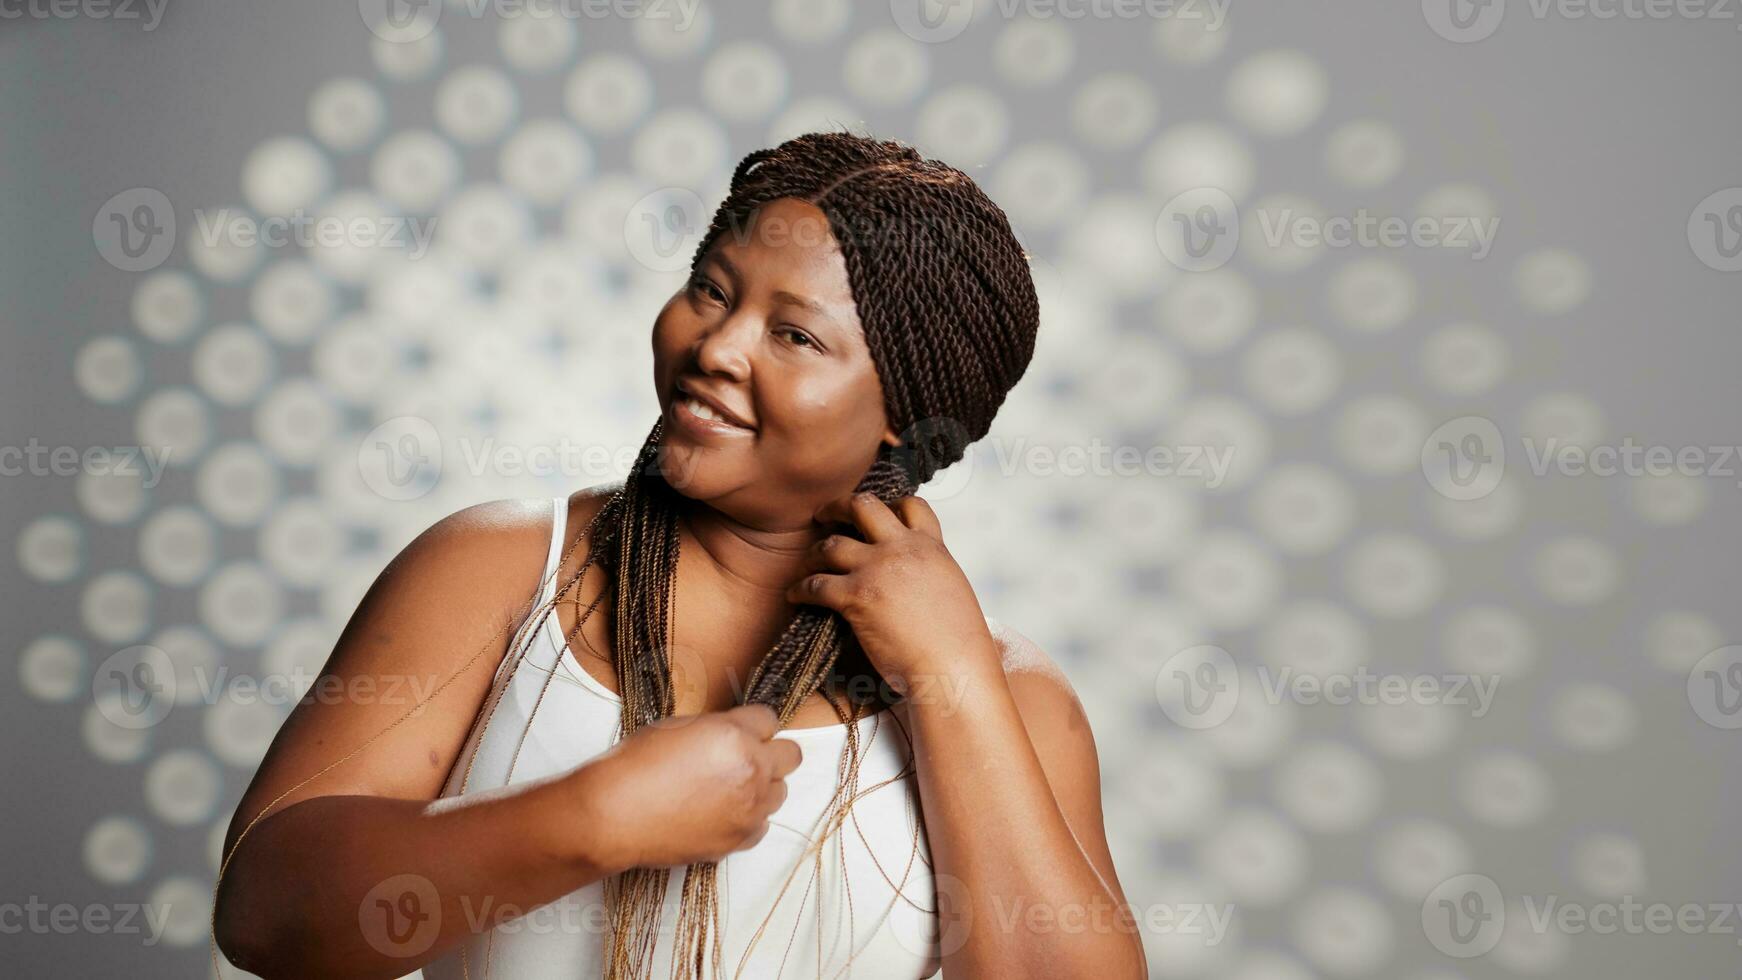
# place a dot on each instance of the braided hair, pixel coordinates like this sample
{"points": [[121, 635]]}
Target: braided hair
{"points": [[949, 312]]}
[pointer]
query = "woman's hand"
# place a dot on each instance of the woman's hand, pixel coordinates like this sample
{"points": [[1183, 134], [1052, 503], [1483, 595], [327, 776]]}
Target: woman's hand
{"points": [[686, 789], [909, 604]]}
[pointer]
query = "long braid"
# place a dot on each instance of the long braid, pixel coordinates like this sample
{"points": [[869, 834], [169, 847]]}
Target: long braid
{"points": [[949, 312]]}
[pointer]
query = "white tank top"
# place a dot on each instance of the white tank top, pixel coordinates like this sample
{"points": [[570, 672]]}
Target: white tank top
{"points": [[877, 921]]}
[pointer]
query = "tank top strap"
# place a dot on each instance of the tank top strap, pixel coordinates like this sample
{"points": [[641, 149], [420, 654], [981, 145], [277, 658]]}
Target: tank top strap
{"points": [[558, 526]]}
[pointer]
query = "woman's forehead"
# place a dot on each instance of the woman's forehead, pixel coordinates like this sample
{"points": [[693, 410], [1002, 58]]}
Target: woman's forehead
{"points": [[788, 249]]}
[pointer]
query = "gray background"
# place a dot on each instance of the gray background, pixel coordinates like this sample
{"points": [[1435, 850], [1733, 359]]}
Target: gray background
{"points": [[1598, 136]]}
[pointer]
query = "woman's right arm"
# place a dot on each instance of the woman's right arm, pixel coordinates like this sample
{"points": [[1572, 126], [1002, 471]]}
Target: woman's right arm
{"points": [[364, 872]]}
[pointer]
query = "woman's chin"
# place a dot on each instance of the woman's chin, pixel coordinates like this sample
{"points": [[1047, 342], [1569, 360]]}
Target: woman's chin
{"points": [[693, 471]]}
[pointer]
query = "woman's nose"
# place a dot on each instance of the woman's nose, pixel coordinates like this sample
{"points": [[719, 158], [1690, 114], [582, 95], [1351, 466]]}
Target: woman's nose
{"points": [[724, 347]]}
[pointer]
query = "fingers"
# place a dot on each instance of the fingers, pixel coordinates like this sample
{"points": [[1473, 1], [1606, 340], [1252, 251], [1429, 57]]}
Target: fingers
{"points": [[760, 720], [838, 553], [864, 511], [775, 798], [785, 755], [755, 838], [916, 513], [820, 589]]}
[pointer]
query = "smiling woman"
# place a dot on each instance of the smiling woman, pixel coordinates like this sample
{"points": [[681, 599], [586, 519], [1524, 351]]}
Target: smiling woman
{"points": [[853, 319]]}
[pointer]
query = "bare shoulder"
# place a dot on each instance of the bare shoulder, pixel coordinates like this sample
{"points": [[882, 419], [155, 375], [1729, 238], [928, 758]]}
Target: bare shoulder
{"points": [[1021, 654], [510, 532], [584, 505], [489, 557], [1042, 691]]}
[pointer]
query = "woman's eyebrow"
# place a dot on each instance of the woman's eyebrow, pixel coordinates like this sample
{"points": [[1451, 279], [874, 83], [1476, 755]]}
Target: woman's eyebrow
{"points": [[780, 296], [802, 302], [719, 258]]}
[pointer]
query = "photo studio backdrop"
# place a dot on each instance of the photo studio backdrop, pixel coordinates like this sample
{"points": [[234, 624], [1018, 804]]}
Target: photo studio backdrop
{"points": [[1337, 484]]}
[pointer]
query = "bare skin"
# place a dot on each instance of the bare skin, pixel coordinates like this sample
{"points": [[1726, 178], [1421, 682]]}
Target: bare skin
{"points": [[1007, 770]]}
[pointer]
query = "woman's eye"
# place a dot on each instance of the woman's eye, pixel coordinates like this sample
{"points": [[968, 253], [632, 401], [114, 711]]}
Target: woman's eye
{"points": [[799, 337], [707, 289]]}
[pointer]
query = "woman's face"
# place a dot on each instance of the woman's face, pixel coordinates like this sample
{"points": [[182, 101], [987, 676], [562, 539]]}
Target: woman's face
{"points": [[768, 332]]}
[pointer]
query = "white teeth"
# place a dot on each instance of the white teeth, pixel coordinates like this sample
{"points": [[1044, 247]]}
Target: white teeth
{"points": [[701, 410]]}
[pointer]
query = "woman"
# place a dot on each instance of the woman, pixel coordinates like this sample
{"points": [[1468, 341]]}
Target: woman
{"points": [[906, 786]]}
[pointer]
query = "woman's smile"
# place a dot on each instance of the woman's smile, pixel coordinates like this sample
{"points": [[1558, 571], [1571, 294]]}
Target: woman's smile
{"points": [[697, 418]]}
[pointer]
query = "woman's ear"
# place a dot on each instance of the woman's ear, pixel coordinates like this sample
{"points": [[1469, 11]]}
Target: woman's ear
{"points": [[890, 439]]}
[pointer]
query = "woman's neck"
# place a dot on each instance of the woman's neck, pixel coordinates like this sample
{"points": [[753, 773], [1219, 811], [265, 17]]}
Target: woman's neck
{"points": [[763, 561]]}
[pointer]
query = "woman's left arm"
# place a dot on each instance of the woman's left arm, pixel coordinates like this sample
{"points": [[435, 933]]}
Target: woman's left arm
{"points": [[1008, 773]]}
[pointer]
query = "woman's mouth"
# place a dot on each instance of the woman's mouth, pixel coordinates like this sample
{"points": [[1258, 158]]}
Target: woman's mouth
{"points": [[700, 418]]}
